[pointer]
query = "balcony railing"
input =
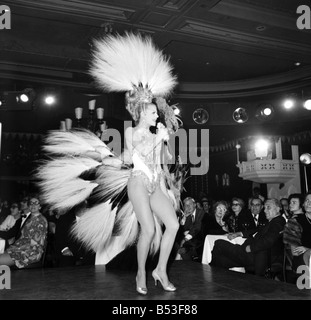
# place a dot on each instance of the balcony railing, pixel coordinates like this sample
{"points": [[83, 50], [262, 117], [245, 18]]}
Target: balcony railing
{"points": [[268, 170]]}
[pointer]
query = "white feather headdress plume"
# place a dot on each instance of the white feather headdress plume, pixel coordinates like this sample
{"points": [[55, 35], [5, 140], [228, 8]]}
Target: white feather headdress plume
{"points": [[133, 64]]}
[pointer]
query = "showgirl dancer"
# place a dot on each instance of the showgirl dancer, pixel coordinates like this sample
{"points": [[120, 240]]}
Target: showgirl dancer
{"points": [[126, 203]]}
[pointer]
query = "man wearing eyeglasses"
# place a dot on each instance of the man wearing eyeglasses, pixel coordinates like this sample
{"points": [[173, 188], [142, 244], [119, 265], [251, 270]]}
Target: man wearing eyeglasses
{"points": [[258, 252], [25, 210], [251, 221]]}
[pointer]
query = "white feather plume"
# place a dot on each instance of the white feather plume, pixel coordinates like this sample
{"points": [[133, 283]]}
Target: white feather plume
{"points": [[127, 225], [68, 195], [95, 226], [60, 184], [75, 142], [121, 62]]}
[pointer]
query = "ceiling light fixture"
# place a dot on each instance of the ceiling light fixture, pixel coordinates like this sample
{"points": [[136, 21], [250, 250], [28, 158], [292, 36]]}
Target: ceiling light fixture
{"points": [[49, 100], [240, 115], [200, 116], [290, 101], [27, 95], [265, 112], [307, 104], [176, 111]]}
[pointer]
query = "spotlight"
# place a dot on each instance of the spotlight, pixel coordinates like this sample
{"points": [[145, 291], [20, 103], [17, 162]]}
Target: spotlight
{"points": [[305, 158], [49, 100], [307, 104], [27, 95], [290, 101], [24, 97], [240, 115], [261, 148], [176, 111], [265, 112]]}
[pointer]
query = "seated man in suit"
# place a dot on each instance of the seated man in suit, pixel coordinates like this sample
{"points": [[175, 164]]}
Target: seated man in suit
{"points": [[258, 252], [69, 251], [250, 221], [189, 238]]}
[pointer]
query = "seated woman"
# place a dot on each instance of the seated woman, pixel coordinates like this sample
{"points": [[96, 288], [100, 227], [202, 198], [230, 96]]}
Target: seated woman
{"points": [[29, 247], [297, 235], [215, 224], [295, 204], [11, 220], [234, 220]]}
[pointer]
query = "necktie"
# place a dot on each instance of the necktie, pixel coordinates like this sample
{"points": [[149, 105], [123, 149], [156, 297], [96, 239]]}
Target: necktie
{"points": [[256, 220], [192, 218]]}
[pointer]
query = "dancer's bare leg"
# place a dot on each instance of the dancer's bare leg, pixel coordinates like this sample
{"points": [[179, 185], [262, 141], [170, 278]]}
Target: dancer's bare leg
{"points": [[141, 202], [164, 210]]}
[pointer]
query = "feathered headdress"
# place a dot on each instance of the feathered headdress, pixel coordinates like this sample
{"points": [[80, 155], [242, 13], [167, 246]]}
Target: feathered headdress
{"points": [[133, 64]]}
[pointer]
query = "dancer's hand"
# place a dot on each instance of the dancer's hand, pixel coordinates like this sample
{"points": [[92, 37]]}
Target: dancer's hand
{"points": [[162, 132]]}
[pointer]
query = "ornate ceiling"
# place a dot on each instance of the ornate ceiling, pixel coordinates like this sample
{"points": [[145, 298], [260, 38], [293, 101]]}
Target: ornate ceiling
{"points": [[223, 51]]}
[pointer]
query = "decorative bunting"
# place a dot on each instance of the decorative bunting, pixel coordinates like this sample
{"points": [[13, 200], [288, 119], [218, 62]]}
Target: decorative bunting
{"points": [[297, 137]]}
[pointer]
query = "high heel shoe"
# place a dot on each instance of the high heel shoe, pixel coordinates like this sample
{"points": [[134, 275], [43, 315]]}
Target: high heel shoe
{"points": [[141, 290], [156, 277]]}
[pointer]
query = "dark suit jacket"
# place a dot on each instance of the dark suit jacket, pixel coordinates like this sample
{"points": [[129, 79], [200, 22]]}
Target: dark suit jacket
{"points": [[13, 232], [63, 238], [194, 227], [269, 238], [20, 228], [211, 226], [246, 217]]}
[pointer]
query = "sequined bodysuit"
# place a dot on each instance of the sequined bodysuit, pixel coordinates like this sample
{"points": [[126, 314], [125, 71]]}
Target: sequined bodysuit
{"points": [[146, 162]]}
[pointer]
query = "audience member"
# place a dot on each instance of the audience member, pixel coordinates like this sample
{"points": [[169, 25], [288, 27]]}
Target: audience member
{"points": [[257, 253], [251, 220], [285, 208], [207, 204], [189, 239], [29, 247], [256, 193], [4, 210], [215, 224], [297, 235], [69, 251], [296, 204], [24, 206], [11, 219], [233, 219]]}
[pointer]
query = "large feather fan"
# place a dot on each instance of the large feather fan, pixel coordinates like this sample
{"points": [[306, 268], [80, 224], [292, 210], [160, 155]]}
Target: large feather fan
{"points": [[73, 176], [121, 63]]}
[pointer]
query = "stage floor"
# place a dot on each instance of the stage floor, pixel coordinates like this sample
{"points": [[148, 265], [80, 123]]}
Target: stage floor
{"points": [[194, 281]]}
